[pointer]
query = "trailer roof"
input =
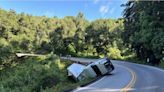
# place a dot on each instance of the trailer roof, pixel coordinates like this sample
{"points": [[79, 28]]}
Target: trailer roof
{"points": [[76, 69]]}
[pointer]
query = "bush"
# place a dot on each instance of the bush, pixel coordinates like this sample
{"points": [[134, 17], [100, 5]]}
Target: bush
{"points": [[114, 53], [34, 76]]}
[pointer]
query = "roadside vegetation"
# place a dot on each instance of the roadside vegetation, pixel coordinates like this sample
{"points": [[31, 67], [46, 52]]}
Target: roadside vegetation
{"points": [[34, 74], [138, 36], [38, 74], [144, 25]]}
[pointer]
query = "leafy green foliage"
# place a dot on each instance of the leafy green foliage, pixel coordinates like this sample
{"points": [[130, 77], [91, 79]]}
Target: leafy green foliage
{"points": [[70, 35], [140, 31], [84, 38], [35, 74], [144, 28], [23, 33], [103, 34], [115, 53]]}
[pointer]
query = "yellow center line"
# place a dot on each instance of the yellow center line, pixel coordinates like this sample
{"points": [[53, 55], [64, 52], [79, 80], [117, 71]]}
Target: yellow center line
{"points": [[132, 81]]}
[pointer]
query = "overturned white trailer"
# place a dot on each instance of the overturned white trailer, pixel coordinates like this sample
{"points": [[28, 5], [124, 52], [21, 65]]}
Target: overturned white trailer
{"points": [[76, 71], [97, 68]]}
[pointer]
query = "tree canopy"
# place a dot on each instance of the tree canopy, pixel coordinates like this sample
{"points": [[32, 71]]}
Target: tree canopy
{"points": [[140, 30], [144, 26]]}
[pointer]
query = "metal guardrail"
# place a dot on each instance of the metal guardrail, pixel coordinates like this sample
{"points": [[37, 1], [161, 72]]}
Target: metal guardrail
{"points": [[26, 54]]}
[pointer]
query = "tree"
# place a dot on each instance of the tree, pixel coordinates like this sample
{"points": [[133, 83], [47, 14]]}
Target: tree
{"points": [[144, 28], [79, 37]]}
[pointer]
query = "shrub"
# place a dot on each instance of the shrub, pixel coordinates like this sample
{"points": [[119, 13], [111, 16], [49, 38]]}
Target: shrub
{"points": [[34, 76], [114, 53]]}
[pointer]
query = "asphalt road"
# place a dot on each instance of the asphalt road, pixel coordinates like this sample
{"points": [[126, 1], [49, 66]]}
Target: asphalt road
{"points": [[127, 77]]}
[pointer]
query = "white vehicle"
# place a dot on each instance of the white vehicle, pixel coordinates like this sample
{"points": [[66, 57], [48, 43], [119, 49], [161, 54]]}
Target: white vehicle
{"points": [[97, 68]]}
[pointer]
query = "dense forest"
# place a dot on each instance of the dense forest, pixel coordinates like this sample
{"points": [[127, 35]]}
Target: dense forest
{"points": [[52, 37], [139, 34], [144, 29], [71, 35]]}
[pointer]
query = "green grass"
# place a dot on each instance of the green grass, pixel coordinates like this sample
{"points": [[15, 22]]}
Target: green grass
{"points": [[71, 85], [38, 74], [161, 65]]}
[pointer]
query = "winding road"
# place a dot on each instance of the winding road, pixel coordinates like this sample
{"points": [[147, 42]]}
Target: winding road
{"points": [[127, 77]]}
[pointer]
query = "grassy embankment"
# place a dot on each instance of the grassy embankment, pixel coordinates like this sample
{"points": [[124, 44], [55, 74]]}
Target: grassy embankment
{"points": [[38, 74]]}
